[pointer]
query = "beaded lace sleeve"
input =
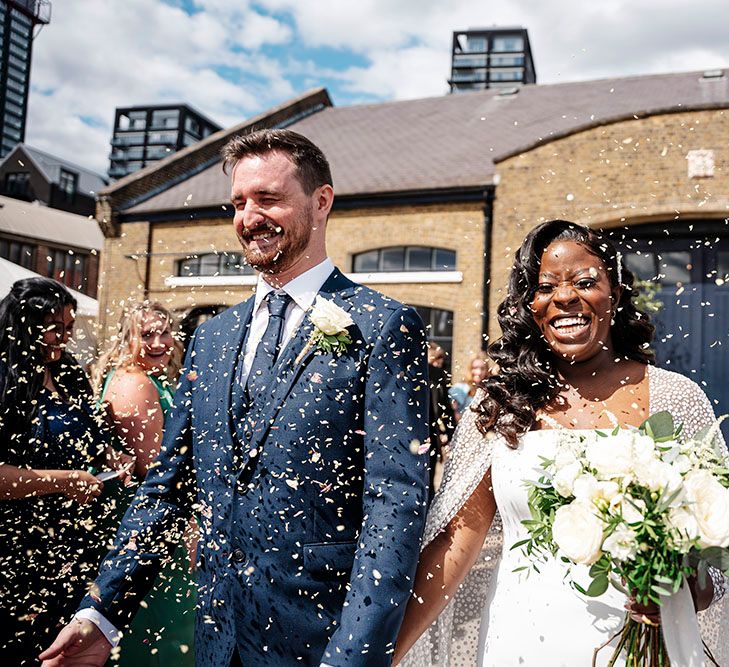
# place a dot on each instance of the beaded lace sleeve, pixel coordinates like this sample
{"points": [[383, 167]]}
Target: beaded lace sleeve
{"points": [[689, 405], [452, 639], [469, 459]]}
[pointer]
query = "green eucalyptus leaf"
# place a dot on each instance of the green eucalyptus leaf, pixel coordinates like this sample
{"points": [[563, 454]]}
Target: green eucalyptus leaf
{"points": [[659, 425], [598, 586]]}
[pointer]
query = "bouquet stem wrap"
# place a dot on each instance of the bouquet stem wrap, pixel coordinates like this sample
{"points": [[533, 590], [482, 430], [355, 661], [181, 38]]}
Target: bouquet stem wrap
{"points": [[681, 629]]}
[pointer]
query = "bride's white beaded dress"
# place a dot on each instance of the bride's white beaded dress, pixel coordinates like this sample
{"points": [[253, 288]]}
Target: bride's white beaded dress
{"points": [[501, 617]]}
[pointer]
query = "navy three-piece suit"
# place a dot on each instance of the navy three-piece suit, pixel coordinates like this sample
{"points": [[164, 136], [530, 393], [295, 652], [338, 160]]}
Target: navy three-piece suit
{"points": [[311, 511]]}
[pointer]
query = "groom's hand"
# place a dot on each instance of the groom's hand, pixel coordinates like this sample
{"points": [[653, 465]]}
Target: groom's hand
{"points": [[79, 644]]}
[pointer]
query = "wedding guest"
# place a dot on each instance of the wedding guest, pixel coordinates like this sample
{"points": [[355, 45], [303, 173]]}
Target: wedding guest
{"points": [[574, 354], [480, 367], [134, 381], [49, 438]]}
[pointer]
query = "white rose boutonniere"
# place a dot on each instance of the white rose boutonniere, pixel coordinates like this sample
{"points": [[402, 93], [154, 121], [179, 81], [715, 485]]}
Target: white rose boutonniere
{"points": [[330, 333]]}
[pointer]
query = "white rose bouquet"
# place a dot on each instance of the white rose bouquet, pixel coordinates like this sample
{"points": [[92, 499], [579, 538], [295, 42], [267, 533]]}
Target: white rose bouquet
{"points": [[643, 509]]}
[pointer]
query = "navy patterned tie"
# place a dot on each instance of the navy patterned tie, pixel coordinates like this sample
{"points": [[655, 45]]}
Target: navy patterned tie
{"points": [[261, 376]]}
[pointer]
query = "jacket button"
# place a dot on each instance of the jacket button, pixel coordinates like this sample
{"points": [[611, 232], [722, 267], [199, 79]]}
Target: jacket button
{"points": [[238, 556]]}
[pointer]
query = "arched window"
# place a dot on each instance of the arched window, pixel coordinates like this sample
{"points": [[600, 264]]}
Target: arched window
{"points": [[404, 258], [214, 264]]}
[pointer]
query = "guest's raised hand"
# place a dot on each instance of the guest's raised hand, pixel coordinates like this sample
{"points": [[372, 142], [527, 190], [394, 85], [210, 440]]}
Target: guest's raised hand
{"points": [[79, 644], [80, 486]]}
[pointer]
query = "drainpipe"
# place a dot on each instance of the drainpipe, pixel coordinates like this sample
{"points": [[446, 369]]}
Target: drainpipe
{"points": [[488, 215], [148, 262]]}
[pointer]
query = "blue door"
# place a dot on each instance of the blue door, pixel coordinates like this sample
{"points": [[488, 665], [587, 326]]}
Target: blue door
{"points": [[691, 267]]}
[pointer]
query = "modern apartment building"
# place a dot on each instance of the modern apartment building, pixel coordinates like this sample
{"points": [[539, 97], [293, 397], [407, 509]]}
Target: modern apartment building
{"points": [[18, 19], [491, 58], [146, 134]]}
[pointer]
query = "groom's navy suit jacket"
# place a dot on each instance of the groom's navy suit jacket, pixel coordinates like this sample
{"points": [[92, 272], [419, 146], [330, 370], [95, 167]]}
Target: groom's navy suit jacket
{"points": [[311, 519]]}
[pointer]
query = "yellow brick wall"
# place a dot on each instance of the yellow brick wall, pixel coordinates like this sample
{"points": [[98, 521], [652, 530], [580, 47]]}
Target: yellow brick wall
{"points": [[625, 173], [121, 276], [457, 227]]}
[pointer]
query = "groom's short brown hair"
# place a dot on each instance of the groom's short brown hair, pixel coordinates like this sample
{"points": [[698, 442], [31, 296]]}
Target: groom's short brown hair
{"points": [[312, 167]]}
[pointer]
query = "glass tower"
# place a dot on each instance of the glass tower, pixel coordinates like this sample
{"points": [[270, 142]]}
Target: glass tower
{"points": [[18, 19]]}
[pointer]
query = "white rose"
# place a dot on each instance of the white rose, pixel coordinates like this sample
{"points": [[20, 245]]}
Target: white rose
{"points": [[578, 532], [709, 503], [565, 477], [329, 318], [632, 509], [588, 488], [682, 463], [644, 448], [611, 456], [564, 456], [621, 544], [684, 526], [657, 475]]}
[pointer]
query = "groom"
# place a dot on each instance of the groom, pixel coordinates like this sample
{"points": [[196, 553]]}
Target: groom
{"points": [[298, 439]]}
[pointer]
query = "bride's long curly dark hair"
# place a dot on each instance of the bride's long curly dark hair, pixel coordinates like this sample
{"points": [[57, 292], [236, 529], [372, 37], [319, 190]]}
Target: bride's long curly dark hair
{"points": [[527, 378]]}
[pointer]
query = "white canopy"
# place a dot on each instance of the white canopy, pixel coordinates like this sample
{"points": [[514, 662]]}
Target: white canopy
{"points": [[9, 273]]}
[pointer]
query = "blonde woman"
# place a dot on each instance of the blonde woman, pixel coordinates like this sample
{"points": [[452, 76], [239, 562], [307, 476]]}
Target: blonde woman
{"points": [[134, 381]]}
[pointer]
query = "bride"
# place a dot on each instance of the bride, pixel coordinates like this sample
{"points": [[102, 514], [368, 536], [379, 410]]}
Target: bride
{"points": [[574, 355]]}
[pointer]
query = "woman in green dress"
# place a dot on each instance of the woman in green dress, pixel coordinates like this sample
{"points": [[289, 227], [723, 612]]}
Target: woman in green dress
{"points": [[133, 380]]}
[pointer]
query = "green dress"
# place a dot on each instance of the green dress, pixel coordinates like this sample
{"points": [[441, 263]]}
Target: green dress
{"points": [[161, 633]]}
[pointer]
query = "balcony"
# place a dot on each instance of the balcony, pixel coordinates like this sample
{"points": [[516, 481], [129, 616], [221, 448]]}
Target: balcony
{"points": [[39, 11]]}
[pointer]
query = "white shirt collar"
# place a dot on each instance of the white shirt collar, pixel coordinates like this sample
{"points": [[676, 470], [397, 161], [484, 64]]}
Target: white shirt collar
{"points": [[302, 289]]}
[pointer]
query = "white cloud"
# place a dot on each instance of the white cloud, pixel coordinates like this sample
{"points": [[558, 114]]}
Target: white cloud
{"points": [[96, 56]]}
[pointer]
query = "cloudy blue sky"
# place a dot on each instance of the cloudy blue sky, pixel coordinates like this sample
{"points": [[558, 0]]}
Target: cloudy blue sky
{"points": [[234, 58]]}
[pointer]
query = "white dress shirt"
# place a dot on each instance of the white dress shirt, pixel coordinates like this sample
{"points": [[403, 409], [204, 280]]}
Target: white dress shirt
{"points": [[302, 290]]}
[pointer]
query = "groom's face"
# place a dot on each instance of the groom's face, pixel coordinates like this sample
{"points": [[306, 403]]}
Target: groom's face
{"points": [[273, 215]]}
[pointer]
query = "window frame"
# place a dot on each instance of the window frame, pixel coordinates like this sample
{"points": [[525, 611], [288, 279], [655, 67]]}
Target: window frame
{"points": [[406, 266]]}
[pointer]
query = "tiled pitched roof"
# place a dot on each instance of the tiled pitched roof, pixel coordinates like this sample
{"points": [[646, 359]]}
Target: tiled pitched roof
{"points": [[89, 182], [455, 141], [33, 220]]}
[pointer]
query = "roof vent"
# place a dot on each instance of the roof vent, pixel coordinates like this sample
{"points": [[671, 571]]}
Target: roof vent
{"points": [[505, 92], [713, 74]]}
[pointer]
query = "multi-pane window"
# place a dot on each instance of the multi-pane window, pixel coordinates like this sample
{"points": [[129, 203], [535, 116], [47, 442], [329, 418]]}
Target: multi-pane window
{"points": [[67, 267], [19, 253], [507, 75], [16, 86], [508, 44], [162, 138], [165, 118], [157, 152], [17, 183], [214, 264], [67, 184], [668, 268], [439, 327], [404, 258]]}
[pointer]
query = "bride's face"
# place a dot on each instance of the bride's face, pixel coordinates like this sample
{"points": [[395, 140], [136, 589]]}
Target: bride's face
{"points": [[573, 302]]}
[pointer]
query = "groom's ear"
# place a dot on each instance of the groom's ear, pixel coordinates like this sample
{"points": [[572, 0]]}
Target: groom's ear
{"points": [[323, 199]]}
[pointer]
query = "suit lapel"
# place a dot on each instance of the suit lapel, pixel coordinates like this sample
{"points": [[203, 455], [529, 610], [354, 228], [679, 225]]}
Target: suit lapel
{"points": [[337, 288], [232, 357]]}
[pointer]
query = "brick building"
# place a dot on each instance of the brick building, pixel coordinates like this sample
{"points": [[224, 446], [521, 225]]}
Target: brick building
{"points": [[33, 175], [52, 243], [434, 195]]}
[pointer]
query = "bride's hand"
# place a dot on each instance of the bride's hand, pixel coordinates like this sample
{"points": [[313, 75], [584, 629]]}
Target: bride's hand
{"points": [[650, 613]]}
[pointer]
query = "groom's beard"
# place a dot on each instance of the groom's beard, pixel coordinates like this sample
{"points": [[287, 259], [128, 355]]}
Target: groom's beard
{"points": [[288, 244]]}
